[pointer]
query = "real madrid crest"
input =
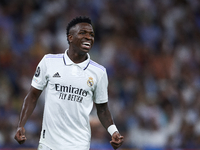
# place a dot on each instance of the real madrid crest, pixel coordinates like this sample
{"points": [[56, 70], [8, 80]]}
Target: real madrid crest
{"points": [[90, 82]]}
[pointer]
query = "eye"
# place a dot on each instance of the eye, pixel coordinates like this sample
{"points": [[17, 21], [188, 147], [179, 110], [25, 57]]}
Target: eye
{"points": [[92, 34], [82, 32]]}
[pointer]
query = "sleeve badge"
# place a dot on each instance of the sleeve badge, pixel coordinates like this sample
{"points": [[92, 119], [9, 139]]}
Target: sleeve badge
{"points": [[37, 72]]}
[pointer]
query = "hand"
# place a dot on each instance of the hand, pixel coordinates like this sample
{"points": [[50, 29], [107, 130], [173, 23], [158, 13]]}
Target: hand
{"points": [[20, 135], [117, 140]]}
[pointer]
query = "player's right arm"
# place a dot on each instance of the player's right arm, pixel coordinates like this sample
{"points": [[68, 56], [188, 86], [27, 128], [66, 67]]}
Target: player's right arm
{"points": [[27, 109]]}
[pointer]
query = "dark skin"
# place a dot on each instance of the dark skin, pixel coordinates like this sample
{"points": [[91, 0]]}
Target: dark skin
{"points": [[78, 35], [106, 120], [29, 105]]}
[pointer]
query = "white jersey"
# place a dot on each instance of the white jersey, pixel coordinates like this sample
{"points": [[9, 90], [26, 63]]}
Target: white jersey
{"points": [[70, 92]]}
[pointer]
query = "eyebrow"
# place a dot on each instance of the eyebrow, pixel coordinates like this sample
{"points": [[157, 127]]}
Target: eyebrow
{"points": [[92, 32], [86, 30]]}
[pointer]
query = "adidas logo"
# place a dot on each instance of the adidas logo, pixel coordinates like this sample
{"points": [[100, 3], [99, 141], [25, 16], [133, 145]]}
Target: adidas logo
{"points": [[56, 75]]}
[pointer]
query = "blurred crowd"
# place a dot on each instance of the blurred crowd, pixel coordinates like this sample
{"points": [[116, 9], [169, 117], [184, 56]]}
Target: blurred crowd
{"points": [[150, 48]]}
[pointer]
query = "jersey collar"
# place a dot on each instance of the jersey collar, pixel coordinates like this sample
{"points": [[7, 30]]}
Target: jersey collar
{"points": [[68, 61]]}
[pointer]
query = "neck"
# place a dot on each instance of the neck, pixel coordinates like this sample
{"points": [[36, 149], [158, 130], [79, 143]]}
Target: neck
{"points": [[76, 57]]}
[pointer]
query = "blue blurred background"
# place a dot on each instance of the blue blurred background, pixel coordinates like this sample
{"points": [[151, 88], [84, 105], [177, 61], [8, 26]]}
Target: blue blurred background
{"points": [[151, 49]]}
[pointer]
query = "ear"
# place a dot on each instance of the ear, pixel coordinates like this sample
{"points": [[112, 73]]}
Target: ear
{"points": [[70, 38]]}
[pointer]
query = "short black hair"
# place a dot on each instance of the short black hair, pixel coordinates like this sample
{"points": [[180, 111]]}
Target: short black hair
{"points": [[78, 20]]}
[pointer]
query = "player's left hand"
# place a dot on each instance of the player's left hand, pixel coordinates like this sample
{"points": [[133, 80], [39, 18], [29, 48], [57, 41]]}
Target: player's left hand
{"points": [[117, 140]]}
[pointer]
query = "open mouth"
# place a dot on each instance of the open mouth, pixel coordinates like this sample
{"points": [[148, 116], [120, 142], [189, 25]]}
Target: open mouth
{"points": [[86, 45]]}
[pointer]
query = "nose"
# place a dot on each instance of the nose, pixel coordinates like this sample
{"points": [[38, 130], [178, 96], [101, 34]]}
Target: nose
{"points": [[88, 36]]}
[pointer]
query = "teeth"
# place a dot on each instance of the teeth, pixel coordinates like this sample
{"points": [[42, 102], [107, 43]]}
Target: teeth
{"points": [[86, 43]]}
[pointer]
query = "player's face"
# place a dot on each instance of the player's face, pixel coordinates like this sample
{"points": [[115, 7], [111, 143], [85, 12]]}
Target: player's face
{"points": [[82, 37]]}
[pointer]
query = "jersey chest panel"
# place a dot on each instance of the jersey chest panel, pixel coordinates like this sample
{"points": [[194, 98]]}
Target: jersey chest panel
{"points": [[71, 83]]}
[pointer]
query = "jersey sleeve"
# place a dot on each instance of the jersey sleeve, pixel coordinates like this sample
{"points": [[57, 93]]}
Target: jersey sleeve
{"points": [[39, 80], [101, 91]]}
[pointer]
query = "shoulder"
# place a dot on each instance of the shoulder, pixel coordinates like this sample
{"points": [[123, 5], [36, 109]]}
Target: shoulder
{"points": [[97, 66], [51, 59], [49, 56]]}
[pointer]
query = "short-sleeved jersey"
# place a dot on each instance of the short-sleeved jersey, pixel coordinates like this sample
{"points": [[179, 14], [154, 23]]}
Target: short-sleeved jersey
{"points": [[70, 90]]}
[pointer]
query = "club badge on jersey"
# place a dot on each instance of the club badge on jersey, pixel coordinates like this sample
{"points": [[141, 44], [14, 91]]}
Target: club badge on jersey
{"points": [[90, 82]]}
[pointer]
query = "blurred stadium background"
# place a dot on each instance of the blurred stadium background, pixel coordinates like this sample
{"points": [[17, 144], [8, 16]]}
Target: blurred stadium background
{"points": [[151, 49]]}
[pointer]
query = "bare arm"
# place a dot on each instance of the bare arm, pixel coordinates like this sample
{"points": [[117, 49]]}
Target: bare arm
{"points": [[104, 115], [26, 111], [106, 120]]}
